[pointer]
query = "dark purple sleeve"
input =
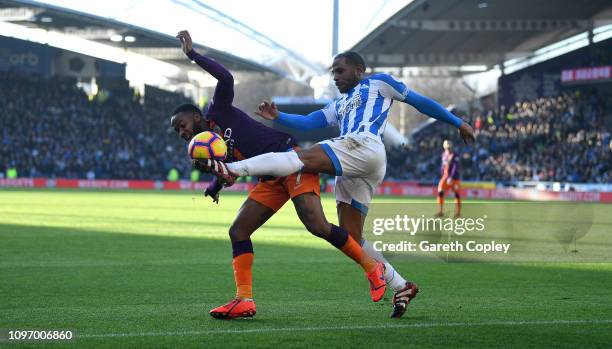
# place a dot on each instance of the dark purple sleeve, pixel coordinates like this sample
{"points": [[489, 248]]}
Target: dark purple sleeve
{"points": [[214, 187], [224, 92], [453, 167]]}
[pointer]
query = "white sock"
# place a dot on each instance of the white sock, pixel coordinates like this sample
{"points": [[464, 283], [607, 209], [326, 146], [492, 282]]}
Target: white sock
{"points": [[269, 164], [392, 277]]}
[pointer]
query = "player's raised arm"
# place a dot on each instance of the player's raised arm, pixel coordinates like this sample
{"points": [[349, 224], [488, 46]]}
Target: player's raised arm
{"points": [[435, 110], [224, 92], [314, 120], [396, 89]]}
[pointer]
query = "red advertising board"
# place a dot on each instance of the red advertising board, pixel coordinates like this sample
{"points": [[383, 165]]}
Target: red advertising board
{"points": [[386, 188], [113, 184]]}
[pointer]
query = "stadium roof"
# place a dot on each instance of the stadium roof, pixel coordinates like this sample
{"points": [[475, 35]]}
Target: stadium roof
{"points": [[477, 32], [154, 44]]}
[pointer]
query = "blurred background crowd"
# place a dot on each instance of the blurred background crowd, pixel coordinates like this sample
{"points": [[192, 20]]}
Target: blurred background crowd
{"points": [[50, 128], [562, 138]]}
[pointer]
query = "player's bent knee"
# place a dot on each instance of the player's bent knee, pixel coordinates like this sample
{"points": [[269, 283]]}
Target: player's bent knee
{"points": [[315, 160], [316, 225], [311, 214], [317, 228], [441, 193], [238, 234], [305, 157]]}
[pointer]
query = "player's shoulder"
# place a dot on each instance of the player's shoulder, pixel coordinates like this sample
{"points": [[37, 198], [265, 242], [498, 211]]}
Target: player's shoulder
{"points": [[387, 82], [332, 104], [384, 77]]}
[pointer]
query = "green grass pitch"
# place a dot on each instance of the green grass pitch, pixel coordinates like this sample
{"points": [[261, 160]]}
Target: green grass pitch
{"points": [[141, 269]]}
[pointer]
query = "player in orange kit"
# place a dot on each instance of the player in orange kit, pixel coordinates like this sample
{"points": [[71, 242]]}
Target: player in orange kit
{"points": [[450, 179]]}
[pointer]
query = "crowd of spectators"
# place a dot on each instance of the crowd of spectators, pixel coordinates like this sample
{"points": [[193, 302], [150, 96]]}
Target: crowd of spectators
{"points": [[562, 138], [50, 128]]}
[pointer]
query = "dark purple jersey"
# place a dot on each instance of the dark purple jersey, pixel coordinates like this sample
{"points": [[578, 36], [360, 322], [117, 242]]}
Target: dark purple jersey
{"points": [[245, 136], [450, 165]]}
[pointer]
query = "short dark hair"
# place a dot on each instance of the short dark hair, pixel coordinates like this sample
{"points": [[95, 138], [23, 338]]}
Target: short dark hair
{"points": [[187, 107], [352, 58]]}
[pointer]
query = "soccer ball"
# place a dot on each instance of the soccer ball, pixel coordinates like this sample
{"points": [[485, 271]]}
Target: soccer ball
{"points": [[207, 145]]}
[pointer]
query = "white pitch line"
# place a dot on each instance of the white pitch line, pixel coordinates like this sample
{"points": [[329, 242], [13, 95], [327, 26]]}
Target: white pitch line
{"points": [[336, 328]]}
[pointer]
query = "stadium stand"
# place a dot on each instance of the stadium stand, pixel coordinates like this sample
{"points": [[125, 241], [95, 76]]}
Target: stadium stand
{"points": [[562, 138], [51, 129]]}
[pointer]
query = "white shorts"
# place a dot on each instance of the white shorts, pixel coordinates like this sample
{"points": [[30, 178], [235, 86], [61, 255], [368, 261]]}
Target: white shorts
{"points": [[360, 162]]}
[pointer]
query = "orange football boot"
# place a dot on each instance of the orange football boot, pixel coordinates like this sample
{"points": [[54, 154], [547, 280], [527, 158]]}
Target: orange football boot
{"points": [[243, 308], [377, 282]]}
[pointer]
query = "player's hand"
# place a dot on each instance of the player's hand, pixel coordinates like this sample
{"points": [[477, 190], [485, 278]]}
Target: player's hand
{"points": [[467, 133], [225, 184], [199, 165], [185, 38], [267, 110], [449, 181], [213, 196]]}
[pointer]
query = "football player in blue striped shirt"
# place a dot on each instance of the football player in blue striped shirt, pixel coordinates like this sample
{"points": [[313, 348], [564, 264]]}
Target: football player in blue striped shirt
{"points": [[357, 157]]}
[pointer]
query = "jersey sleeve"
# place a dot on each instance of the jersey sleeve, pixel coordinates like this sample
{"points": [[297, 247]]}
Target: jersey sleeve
{"points": [[224, 91], [330, 113], [432, 108], [311, 121], [390, 87], [214, 187], [453, 167]]}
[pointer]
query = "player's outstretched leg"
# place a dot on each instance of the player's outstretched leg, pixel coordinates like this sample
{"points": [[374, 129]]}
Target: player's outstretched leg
{"points": [[308, 207], [403, 291], [352, 219], [313, 160], [269, 164]]}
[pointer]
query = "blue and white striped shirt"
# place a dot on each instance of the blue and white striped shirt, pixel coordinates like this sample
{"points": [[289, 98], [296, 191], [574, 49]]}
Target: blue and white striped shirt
{"points": [[366, 107]]}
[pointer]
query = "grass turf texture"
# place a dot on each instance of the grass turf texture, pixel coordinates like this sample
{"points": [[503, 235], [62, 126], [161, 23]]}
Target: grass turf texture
{"points": [[142, 269]]}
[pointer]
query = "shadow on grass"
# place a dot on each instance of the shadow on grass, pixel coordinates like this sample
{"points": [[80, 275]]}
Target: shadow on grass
{"points": [[181, 223], [103, 282]]}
